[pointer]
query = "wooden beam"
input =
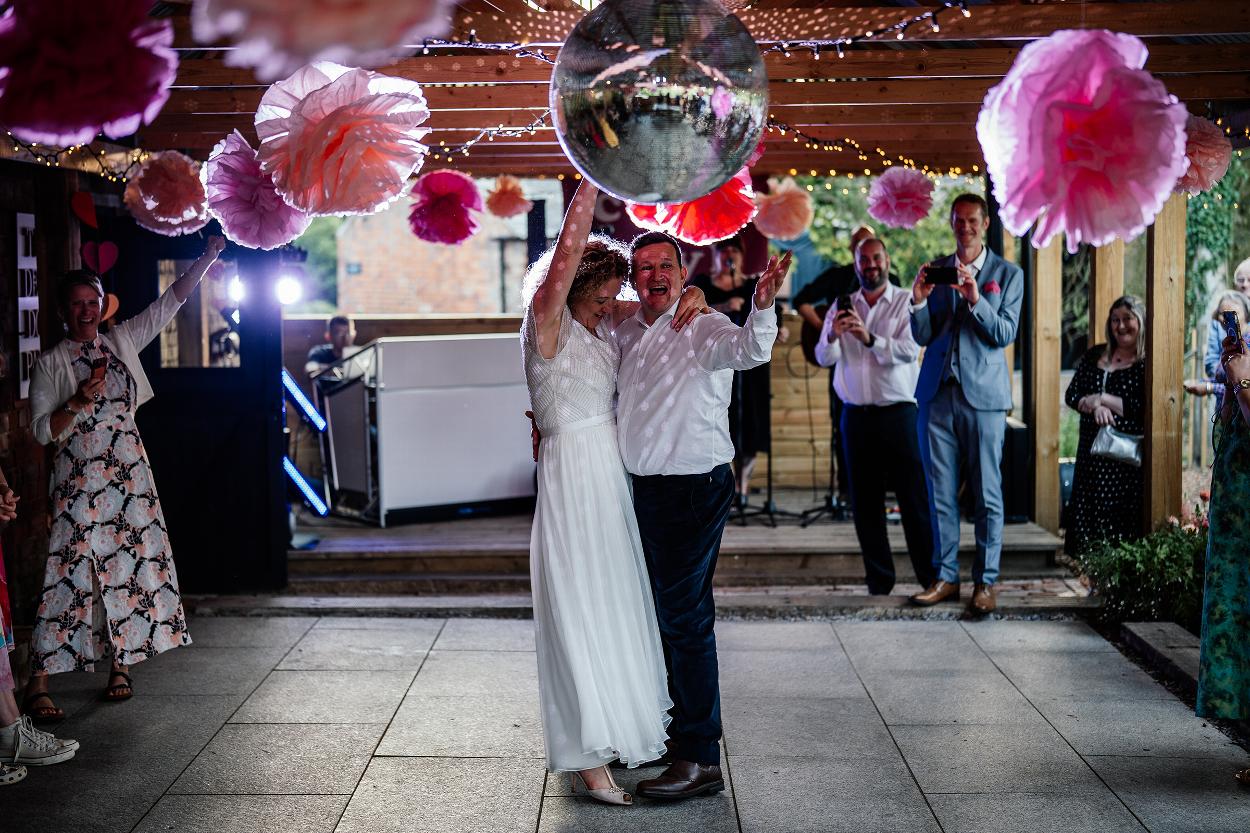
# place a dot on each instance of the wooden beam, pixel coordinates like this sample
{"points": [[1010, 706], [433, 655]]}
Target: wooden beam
{"points": [[1046, 313], [1106, 284], [1005, 22], [461, 66], [1011, 254], [1165, 352]]}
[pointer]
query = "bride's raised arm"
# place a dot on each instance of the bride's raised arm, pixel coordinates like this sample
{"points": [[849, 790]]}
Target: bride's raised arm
{"points": [[553, 293]]}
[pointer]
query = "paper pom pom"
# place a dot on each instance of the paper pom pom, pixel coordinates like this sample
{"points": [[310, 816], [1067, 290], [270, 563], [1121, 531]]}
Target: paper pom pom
{"points": [[712, 217], [277, 37], [166, 195], [67, 74], [445, 206], [900, 197], [339, 140], [1081, 139], [508, 198], [785, 212], [242, 198], [1208, 151]]}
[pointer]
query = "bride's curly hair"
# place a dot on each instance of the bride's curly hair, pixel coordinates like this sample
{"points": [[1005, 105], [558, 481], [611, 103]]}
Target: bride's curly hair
{"points": [[603, 260]]}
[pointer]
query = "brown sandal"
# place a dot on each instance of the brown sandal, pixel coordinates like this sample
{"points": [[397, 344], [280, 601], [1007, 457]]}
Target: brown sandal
{"points": [[42, 714], [118, 692]]}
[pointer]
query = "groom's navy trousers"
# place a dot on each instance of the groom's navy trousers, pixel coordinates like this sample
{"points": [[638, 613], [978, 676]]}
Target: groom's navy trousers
{"points": [[681, 518]]}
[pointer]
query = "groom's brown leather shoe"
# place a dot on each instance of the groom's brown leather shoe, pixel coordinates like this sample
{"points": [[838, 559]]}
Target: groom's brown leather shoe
{"points": [[684, 779], [939, 591]]}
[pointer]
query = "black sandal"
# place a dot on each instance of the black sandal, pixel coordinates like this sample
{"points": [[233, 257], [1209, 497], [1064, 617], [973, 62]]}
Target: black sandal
{"points": [[43, 714], [113, 693]]}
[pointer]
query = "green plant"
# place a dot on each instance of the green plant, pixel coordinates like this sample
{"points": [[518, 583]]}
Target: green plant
{"points": [[1158, 577]]}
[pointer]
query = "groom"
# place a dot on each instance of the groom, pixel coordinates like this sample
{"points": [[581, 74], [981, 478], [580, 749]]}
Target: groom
{"points": [[673, 429]]}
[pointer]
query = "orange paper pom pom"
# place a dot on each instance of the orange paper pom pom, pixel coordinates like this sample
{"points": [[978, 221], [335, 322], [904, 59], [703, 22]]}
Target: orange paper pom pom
{"points": [[785, 212], [508, 198]]}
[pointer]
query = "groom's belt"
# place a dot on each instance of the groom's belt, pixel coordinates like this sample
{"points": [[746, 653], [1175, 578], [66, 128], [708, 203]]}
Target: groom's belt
{"points": [[588, 422]]}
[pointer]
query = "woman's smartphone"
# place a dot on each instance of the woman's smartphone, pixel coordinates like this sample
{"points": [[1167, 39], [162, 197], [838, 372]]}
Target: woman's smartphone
{"points": [[98, 366], [1232, 327], [941, 275]]}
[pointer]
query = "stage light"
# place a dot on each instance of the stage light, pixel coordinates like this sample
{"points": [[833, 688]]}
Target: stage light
{"points": [[310, 494], [288, 289], [236, 291], [297, 396], [234, 316]]}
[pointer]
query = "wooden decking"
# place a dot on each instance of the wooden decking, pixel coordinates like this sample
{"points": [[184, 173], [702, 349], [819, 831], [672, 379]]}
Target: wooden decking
{"points": [[491, 554]]}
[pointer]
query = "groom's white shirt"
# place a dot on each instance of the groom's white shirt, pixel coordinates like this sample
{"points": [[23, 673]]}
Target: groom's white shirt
{"points": [[673, 388]]}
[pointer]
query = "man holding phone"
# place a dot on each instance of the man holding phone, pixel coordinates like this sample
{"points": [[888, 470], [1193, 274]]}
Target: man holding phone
{"points": [[964, 394], [868, 339]]}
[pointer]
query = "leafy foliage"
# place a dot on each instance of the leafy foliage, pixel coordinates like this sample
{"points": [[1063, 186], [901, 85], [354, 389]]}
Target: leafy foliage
{"points": [[1155, 578], [321, 243]]}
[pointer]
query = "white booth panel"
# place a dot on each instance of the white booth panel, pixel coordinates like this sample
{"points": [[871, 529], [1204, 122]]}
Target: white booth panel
{"points": [[453, 445], [446, 361]]}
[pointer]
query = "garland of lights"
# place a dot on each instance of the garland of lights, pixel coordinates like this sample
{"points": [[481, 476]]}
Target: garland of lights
{"points": [[52, 157], [899, 30], [490, 133]]}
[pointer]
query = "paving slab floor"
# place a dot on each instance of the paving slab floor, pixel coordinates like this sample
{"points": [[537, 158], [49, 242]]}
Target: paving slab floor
{"points": [[339, 725]]}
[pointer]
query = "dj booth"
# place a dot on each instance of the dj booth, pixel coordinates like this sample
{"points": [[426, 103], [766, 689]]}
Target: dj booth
{"points": [[426, 426]]}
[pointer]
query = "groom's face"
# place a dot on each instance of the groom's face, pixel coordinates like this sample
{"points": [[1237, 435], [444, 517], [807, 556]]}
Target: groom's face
{"points": [[658, 277]]}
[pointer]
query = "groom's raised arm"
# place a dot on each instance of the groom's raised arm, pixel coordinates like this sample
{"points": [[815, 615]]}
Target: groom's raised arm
{"points": [[721, 344]]}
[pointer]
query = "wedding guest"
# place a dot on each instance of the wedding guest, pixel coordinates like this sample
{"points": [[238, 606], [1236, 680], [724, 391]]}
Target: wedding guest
{"points": [[964, 394], [821, 294], [870, 345], [1224, 661], [21, 744], [673, 428], [729, 291], [108, 532], [1108, 389], [340, 340], [1238, 302]]}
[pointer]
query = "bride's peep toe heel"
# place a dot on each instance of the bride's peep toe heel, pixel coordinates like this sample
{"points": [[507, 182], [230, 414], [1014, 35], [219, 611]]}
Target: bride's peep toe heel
{"points": [[608, 795]]}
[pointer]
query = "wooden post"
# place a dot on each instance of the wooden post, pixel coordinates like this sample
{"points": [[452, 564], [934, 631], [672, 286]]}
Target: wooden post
{"points": [[1106, 283], [1165, 361], [1047, 311], [1010, 253]]}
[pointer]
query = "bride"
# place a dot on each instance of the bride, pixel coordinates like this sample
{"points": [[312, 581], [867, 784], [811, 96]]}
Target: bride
{"points": [[602, 684]]}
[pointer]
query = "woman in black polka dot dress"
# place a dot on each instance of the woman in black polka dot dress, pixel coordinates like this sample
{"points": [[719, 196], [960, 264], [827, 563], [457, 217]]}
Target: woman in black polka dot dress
{"points": [[1109, 388]]}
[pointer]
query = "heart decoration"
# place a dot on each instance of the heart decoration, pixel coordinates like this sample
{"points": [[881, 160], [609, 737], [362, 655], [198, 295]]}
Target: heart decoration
{"points": [[84, 208], [100, 257]]}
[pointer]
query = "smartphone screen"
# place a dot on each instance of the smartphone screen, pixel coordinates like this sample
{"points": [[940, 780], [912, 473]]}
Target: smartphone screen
{"points": [[1232, 327], [844, 303], [942, 275], [97, 368]]}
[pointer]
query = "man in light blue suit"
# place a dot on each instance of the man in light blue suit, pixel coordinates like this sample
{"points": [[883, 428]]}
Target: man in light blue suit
{"points": [[964, 394]]}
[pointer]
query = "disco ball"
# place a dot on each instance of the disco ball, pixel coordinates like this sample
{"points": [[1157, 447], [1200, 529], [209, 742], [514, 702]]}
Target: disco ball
{"points": [[659, 101]]}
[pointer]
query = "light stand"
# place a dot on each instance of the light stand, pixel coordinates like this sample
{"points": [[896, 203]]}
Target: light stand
{"points": [[830, 507], [769, 508]]}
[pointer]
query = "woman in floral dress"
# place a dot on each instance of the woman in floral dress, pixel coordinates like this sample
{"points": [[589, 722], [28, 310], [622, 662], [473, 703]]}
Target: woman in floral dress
{"points": [[108, 538]]}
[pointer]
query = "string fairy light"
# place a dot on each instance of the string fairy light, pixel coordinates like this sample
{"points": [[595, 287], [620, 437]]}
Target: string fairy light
{"points": [[53, 157]]}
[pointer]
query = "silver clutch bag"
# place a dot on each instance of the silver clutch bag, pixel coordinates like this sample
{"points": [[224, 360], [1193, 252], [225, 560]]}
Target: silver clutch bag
{"points": [[1118, 446]]}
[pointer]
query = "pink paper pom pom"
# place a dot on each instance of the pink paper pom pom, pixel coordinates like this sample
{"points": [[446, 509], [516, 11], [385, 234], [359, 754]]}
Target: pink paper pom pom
{"points": [[242, 197], [70, 70], [508, 198], [1081, 139], [1208, 151], [277, 37], [785, 212], [444, 207], [722, 102], [712, 217], [900, 197], [166, 195], [339, 140]]}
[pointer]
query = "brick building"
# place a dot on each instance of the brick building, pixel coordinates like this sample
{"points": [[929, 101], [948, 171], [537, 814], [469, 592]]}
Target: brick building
{"points": [[384, 268]]}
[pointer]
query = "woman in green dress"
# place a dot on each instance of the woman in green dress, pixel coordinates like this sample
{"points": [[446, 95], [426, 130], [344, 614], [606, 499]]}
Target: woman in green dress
{"points": [[1224, 667]]}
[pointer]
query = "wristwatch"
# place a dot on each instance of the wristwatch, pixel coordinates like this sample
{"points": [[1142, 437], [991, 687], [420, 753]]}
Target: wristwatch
{"points": [[67, 409], [1241, 384]]}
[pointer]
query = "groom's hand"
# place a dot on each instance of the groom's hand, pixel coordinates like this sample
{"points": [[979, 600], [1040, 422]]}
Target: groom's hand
{"points": [[770, 282], [534, 435]]}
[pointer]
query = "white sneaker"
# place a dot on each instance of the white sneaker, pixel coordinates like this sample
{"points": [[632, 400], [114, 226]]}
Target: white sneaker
{"points": [[22, 743], [11, 774]]}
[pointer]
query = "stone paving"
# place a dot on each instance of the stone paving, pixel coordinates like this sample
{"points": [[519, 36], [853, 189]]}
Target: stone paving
{"points": [[395, 725]]}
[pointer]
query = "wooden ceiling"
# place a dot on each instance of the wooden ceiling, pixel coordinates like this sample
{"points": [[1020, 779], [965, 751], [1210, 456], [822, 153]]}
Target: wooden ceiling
{"points": [[915, 98]]}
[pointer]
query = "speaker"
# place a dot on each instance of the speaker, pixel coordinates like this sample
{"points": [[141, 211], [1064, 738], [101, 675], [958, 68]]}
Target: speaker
{"points": [[1017, 466]]}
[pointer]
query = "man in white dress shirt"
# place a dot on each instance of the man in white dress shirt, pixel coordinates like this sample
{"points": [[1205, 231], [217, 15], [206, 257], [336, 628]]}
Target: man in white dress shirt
{"points": [[673, 429], [868, 337]]}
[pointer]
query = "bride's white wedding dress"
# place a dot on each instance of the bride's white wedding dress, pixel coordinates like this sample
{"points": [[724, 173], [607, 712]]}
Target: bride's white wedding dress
{"points": [[601, 679]]}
